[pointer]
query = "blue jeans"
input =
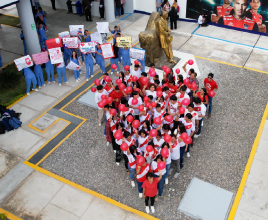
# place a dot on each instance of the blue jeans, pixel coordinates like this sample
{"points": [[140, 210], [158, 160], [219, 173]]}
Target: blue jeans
{"points": [[210, 104], [114, 61], [76, 74], [160, 185], [50, 73], [158, 9], [105, 125], [63, 72], [182, 150], [131, 172], [40, 78], [28, 83], [188, 149], [1, 65], [117, 11], [89, 65], [199, 128], [139, 184], [167, 169]]}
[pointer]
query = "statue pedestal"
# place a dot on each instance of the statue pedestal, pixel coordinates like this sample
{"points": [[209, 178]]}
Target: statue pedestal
{"points": [[159, 62]]}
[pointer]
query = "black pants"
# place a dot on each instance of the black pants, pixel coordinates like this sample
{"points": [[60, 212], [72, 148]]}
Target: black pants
{"points": [[173, 23], [88, 14], [147, 200], [53, 4], [113, 141], [122, 9], [126, 161], [102, 12]]}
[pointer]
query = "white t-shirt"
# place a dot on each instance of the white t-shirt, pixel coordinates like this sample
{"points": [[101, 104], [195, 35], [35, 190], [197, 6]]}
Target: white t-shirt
{"points": [[185, 96], [131, 161], [200, 109], [143, 142], [173, 108], [189, 126], [148, 92], [175, 155], [98, 98], [158, 144], [136, 111], [144, 118], [136, 73], [193, 113], [200, 19], [168, 160], [154, 167]]}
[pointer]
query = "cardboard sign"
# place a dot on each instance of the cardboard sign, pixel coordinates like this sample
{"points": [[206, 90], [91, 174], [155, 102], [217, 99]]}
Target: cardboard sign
{"points": [[124, 41], [55, 55], [23, 62], [40, 58], [103, 27], [53, 43], [70, 42], [73, 66], [137, 53], [76, 30], [107, 50], [64, 34], [96, 37], [89, 47]]}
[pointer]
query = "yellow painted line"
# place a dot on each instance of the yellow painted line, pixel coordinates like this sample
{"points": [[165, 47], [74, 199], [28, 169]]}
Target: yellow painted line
{"points": [[256, 70], [229, 64], [91, 192], [8, 25], [9, 215], [248, 166], [44, 131], [10, 15]]}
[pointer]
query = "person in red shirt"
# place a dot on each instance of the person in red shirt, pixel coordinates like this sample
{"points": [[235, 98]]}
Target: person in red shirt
{"points": [[203, 95], [172, 87], [150, 190], [219, 11], [210, 85], [157, 84], [141, 175], [117, 95], [143, 74]]}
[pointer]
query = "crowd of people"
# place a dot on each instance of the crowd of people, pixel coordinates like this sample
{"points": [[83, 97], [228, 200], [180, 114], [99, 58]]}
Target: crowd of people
{"points": [[151, 123]]}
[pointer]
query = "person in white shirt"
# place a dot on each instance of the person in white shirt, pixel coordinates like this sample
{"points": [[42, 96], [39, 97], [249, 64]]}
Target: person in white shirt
{"points": [[97, 100], [160, 185], [136, 71], [201, 20], [200, 108], [158, 140], [151, 92], [132, 157], [118, 142], [143, 139], [181, 95], [167, 159], [135, 107], [190, 109], [175, 155]]}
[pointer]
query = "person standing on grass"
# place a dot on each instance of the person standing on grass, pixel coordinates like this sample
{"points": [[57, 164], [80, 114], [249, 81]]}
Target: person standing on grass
{"points": [[150, 190], [210, 85]]}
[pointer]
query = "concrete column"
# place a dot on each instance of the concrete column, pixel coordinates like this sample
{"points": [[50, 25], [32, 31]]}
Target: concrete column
{"points": [[109, 10], [28, 26], [129, 6]]}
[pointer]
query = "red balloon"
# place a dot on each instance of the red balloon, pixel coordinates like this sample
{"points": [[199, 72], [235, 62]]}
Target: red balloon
{"points": [[164, 67], [105, 102], [178, 71], [188, 140], [167, 138], [165, 152], [93, 89], [193, 86], [167, 70], [185, 102], [136, 62], [121, 107], [134, 78], [118, 81], [149, 148], [103, 97], [97, 82], [135, 101], [153, 133], [129, 89], [159, 94], [146, 99], [181, 110], [153, 104], [211, 94], [147, 104], [151, 70], [126, 67], [141, 108], [107, 79], [122, 86], [140, 160], [130, 118], [136, 124], [169, 118], [161, 165], [144, 80], [190, 62], [186, 81], [113, 111], [152, 74], [158, 121], [124, 147], [101, 104], [113, 66], [109, 100], [118, 134], [184, 135]]}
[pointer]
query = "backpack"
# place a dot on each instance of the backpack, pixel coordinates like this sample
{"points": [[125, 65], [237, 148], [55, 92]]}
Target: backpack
{"points": [[14, 122]]}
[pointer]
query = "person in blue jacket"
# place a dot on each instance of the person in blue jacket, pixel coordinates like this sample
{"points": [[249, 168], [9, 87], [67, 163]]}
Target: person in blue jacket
{"points": [[39, 75], [24, 44], [89, 64], [99, 59], [50, 71], [74, 58], [42, 35], [114, 32], [29, 78], [61, 70], [125, 56], [87, 36], [42, 13]]}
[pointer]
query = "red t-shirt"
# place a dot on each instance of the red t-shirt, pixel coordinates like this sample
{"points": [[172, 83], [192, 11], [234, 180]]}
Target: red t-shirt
{"points": [[210, 85], [172, 88], [158, 89], [141, 176], [199, 95], [150, 189], [116, 95]]}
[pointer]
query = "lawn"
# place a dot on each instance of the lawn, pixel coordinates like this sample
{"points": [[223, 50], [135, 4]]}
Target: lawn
{"points": [[9, 20]]}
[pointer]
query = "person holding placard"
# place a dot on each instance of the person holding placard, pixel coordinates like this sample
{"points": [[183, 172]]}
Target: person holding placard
{"points": [[114, 32], [77, 61], [87, 36], [39, 75], [61, 70], [67, 53], [126, 56], [89, 64], [114, 60], [29, 78], [99, 59], [50, 71]]}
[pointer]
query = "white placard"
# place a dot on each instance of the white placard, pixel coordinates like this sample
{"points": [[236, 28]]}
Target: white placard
{"points": [[76, 30], [89, 47], [73, 66], [137, 53], [23, 62], [64, 34], [107, 50], [55, 55], [70, 42], [96, 37], [103, 27]]}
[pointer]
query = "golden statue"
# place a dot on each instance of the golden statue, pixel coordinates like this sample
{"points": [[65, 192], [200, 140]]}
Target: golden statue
{"points": [[165, 36]]}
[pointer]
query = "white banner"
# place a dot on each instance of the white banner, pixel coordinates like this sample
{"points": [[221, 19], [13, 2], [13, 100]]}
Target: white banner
{"points": [[88, 47], [23, 62], [76, 30], [70, 42], [107, 50], [64, 34], [137, 53], [73, 66], [103, 27], [55, 55], [96, 37]]}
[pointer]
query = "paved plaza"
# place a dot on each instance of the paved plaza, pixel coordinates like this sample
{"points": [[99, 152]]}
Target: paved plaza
{"points": [[66, 171]]}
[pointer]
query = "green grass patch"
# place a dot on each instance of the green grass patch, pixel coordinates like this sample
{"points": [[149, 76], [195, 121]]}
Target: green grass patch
{"points": [[9, 20]]}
